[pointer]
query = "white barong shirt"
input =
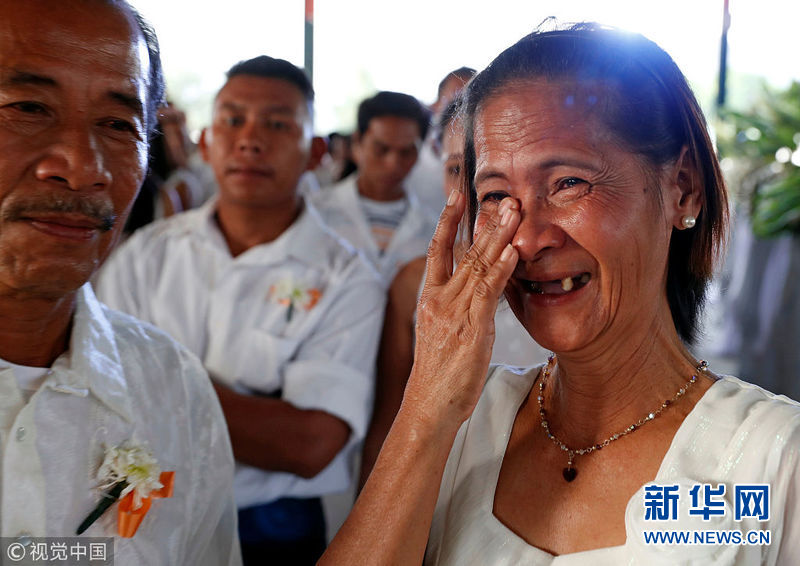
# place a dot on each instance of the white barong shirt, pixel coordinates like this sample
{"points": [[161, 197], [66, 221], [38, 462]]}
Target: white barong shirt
{"points": [[121, 381]]}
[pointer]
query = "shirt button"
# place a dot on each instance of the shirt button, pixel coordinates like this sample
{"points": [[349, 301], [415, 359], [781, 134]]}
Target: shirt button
{"points": [[21, 432]]}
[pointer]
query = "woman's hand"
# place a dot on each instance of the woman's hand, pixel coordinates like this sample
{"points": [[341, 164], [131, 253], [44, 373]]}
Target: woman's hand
{"points": [[455, 315], [390, 521]]}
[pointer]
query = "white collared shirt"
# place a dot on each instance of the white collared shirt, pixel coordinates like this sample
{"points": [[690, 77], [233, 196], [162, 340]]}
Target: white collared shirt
{"points": [[121, 381], [233, 312], [339, 208]]}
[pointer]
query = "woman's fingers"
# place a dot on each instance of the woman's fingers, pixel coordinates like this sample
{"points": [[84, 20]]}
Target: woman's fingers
{"points": [[454, 345], [489, 289], [491, 240], [440, 251], [455, 315]]}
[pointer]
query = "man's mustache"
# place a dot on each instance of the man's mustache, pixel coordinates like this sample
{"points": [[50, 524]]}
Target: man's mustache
{"points": [[100, 210]]}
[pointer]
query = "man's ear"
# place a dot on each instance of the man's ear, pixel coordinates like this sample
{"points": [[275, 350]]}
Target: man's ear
{"points": [[203, 143], [684, 191], [318, 148]]}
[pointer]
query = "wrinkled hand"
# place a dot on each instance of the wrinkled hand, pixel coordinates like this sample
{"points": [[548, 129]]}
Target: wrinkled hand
{"points": [[455, 315]]}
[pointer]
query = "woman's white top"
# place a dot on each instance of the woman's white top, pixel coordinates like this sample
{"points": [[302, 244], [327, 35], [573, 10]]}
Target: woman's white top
{"points": [[513, 346], [737, 434]]}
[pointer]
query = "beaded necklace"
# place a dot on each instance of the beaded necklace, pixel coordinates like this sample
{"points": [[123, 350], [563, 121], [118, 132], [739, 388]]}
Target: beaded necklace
{"points": [[570, 472]]}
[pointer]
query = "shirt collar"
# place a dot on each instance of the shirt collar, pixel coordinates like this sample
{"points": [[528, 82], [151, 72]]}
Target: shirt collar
{"points": [[349, 185], [303, 240], [351, 182], [92, 362]]}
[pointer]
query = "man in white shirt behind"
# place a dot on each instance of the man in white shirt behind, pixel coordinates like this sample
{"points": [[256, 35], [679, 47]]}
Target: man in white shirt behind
{"points": [[372, 208], [284, 316], [80, 84]]}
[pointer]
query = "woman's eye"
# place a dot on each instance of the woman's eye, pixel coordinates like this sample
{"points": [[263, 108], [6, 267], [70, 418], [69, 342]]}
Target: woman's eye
{"points": [[571, 183], [454, 171], [494, 196]]}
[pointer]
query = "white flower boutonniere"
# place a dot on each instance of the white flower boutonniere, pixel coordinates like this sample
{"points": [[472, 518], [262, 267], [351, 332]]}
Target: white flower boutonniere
{"points": [[135, 467], [131, 473], [293, 295]]}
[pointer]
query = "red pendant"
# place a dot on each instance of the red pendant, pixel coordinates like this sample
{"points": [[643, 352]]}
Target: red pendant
{"points": [[569, 473]]}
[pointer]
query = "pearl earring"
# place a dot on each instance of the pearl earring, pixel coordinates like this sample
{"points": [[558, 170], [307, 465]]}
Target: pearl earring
{"points": [[688, 221]]}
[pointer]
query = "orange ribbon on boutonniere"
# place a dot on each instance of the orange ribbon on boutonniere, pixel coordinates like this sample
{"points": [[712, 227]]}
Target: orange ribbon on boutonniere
{"points": [[131, 476], [293, 295], [129, 517]]}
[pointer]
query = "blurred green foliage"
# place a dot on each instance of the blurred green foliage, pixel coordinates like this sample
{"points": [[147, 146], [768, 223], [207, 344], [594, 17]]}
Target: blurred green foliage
{"points": [[766, 142]]}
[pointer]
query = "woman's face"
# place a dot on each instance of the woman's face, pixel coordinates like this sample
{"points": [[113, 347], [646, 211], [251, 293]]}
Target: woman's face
{"points": [[453, 155], [593, 238]]}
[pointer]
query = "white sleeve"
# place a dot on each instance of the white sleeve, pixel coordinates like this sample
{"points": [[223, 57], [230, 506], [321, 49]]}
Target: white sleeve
{"points": [[212, 537], [333, 369]]}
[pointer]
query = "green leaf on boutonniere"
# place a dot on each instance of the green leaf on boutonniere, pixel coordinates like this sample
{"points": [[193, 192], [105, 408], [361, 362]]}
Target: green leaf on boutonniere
{"points": [[107, 501]]}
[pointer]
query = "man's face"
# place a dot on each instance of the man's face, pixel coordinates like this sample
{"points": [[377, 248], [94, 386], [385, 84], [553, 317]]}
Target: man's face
{"points": [[386, 152], [73, 141], [259, 142]]}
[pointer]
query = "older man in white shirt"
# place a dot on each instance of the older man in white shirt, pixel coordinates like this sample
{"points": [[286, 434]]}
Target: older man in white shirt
{"points": [[79, 86], [284, 316], [372, 208]]}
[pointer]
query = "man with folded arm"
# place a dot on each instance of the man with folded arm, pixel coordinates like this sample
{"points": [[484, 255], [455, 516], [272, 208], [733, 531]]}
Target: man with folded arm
{"points": [[284, 316]]}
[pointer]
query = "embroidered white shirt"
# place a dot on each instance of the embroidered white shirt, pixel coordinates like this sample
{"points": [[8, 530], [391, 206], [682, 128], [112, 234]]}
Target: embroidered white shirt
{"points": [[339, 208], [120, 381], [300, 315]]}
